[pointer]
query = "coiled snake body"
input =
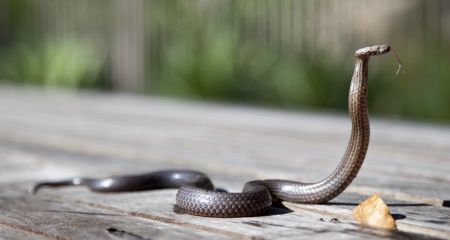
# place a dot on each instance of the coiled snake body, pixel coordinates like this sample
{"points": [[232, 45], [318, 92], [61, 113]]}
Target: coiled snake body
{"points": [[196, 195]]}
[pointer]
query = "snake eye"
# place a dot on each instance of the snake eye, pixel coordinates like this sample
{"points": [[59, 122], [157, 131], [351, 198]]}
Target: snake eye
{"points": [[383, 49]]}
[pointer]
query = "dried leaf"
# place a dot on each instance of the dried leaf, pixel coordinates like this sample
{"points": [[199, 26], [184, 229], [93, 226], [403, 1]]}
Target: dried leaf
{"points": [[374, 212]]}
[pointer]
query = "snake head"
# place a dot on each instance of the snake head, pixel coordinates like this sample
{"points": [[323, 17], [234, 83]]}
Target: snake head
{"points": [[372, 51]]}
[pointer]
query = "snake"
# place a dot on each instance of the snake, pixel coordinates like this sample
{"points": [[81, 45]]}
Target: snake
{"points": [[196, 193]]}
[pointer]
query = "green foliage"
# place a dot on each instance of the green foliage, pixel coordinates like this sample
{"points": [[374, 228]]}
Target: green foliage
{"points": [[421, 93], [221, 51], [63, 63], [212, 60], [217, 67], [220, 67]]}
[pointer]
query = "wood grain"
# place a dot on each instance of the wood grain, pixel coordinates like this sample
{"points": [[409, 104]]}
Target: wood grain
{"points": [[54, 135]]}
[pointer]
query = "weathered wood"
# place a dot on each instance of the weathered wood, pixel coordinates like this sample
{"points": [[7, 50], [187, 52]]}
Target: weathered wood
{"points": [[50, 218], [12, 233], [57, 135]]}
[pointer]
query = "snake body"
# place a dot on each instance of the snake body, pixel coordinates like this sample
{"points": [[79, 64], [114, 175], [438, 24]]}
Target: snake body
{"points": [[196, 193]]}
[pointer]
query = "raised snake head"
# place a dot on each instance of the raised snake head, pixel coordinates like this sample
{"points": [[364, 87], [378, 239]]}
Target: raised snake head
{"points": [[372, 51]]}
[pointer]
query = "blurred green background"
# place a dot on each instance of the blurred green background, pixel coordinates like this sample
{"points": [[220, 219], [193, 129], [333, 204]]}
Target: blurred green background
{"points": [[289, 54]]}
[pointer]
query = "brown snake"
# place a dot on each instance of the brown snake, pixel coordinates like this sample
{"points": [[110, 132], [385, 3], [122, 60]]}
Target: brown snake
{"points": [[196, 195]]}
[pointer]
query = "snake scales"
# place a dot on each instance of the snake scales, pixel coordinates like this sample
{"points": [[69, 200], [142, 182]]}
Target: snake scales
{"points": [[196, 195]]}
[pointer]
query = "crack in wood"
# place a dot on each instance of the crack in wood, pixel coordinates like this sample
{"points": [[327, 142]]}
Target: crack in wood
{"points": [[125, 234]]}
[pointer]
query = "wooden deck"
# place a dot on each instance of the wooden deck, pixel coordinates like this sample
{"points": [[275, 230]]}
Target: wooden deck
{"points": [[48, 135]]}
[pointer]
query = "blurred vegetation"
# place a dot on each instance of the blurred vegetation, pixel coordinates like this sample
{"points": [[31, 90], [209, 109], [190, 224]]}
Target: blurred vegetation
{"points": [[52, 63], [222, 52]]}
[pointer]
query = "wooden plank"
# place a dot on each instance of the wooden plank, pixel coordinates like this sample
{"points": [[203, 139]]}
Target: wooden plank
{"points": [[56, 135], [362, 185], [156, 130], [12, 233], [197, 151], [158, 206], [279, 224], [49, 218], [144, 117]]}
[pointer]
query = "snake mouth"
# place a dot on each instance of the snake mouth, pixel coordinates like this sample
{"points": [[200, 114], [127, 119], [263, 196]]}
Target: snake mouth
{"points": [[372, 51]]}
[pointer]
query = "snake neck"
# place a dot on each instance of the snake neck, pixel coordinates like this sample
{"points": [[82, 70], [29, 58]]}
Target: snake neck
{"points": [[358, 143]]}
